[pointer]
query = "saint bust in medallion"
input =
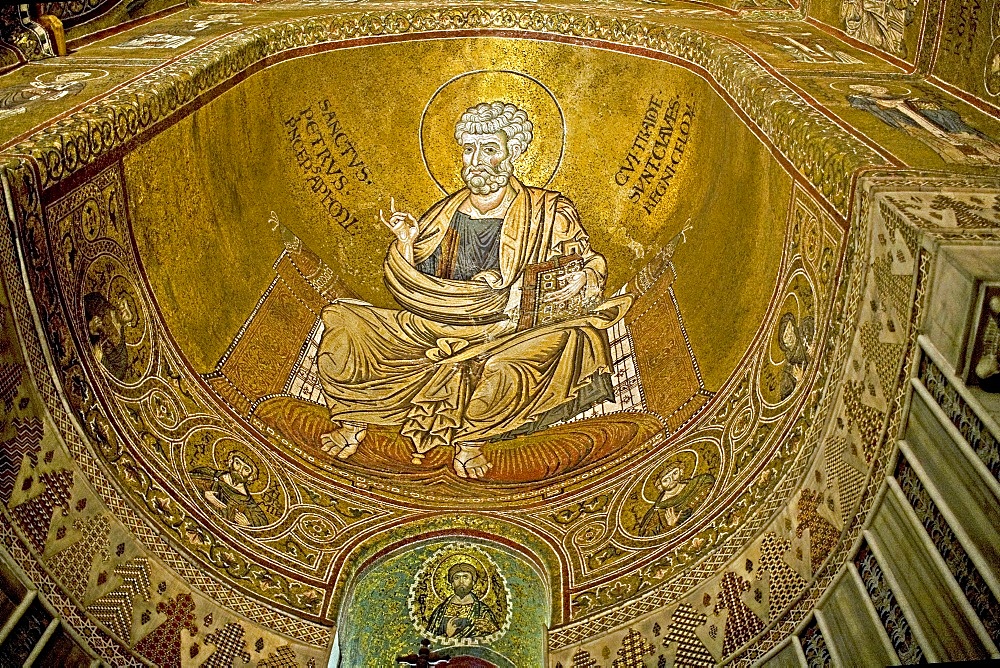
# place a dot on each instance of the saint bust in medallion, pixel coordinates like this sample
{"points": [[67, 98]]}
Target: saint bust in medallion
{"points": [[463, 614], [501, 330]]}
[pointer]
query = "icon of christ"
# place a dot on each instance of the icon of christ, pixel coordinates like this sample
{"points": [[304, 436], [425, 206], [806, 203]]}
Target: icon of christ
{"points": [[467, 360]]}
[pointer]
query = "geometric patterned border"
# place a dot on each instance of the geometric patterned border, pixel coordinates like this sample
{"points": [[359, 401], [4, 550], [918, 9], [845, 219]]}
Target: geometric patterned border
{"points": [[820, 149]]}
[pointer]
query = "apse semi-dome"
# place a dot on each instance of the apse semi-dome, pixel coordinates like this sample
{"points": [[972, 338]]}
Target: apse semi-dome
{"points": [[552, 335]]}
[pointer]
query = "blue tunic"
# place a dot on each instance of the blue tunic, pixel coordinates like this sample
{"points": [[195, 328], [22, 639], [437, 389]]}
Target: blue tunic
{"points": [[470, 245]]}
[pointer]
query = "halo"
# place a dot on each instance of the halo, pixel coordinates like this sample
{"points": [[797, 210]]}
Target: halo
{"points": [[225, 446], [439, 578], [442, 159], [92, 75], [686, 460], [791, 303], [430, 589], [847, 86], [991, 79], [120, 290], [204, 16]]}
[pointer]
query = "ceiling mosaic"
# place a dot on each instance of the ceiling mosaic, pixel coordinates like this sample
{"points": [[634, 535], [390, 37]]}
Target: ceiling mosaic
{"points": [[535, 330]]}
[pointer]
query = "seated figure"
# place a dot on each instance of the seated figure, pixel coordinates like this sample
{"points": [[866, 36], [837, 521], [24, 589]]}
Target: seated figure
{"points": [[453, 367]]}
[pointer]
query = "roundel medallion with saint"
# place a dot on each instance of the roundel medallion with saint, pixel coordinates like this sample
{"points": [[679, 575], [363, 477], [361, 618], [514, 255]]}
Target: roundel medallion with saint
{"points": [[672, 492], [460, 597], [116, 321]]}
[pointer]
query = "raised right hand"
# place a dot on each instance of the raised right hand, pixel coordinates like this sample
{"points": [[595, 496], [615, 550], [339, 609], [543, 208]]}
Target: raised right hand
{"points": [[403, 225]]}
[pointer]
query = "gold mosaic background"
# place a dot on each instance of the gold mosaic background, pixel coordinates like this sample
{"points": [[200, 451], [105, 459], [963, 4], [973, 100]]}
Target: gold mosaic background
{"points": [[152, 178]]}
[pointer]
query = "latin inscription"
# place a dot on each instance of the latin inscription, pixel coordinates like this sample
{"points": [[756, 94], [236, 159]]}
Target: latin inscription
{"points": [[328, 159], [656, 152], [961, 28]]}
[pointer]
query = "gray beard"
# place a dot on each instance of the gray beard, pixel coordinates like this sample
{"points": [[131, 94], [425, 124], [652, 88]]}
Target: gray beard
{"points": [[484, 180]]}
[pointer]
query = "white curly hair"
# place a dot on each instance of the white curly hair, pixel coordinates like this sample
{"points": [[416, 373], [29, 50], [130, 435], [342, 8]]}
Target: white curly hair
{"points": [[495, 117]]}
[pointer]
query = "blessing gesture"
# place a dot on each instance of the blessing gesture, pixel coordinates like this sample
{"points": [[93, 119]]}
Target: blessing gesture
{"points": [[404, 226]]}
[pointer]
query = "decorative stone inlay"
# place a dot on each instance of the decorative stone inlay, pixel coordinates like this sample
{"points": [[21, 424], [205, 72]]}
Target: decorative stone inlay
{"points": [[890, 614], [968, 577], [978, 435], [814, 646]]}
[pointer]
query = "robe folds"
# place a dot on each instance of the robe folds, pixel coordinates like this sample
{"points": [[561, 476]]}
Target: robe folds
{"points": [[449, 367], [470, 620]]}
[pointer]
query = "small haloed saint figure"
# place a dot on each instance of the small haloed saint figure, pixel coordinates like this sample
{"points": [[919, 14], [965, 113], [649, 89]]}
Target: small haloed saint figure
{"points": [[226, 490], [463, 614], [17, 99], [106, 327], [795, 342], [453, 367], [677, 501], [941, 128]]}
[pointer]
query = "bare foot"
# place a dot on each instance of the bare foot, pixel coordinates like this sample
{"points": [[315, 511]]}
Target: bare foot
{"points": [[344, 440], [470, 462]]}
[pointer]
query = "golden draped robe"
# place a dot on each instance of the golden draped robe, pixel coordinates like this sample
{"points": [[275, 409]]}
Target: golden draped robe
{"points": [[449, 367]]}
